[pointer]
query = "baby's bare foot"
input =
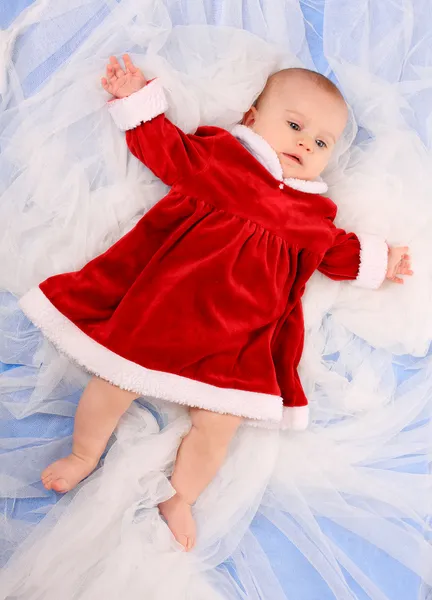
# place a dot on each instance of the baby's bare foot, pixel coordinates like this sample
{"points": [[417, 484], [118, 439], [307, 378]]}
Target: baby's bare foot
{"points": [[178, 515], [64, 474]]}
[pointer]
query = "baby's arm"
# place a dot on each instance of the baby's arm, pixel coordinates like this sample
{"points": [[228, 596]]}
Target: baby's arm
{"points": [[366, 260], [138, 109]]}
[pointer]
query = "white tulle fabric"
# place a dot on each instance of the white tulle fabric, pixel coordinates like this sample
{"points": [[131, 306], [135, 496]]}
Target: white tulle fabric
{"points": [[69, 189]]}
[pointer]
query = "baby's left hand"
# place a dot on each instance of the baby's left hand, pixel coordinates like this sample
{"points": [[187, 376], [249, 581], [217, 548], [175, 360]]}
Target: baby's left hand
{"points": [[399, 263]]}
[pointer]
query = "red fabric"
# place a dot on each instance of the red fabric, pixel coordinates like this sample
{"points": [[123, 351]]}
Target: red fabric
{"points": [[341, 261], [208, 283]]}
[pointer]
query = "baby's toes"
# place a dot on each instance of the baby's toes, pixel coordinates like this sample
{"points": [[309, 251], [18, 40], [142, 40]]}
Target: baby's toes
{"points": [[183, 540], [190, 543], [46, 472], [46, 475], [47, 483], [60, 486]]}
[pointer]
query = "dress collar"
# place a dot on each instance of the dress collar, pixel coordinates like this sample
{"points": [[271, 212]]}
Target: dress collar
{"points": [[265, 154]]}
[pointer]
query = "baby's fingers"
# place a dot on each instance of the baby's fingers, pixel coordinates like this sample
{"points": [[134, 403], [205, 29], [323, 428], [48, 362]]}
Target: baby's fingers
{"points": [[397, 279], [116, 66], [129, 64], [106, 85], [405, 267], [110, 74]]}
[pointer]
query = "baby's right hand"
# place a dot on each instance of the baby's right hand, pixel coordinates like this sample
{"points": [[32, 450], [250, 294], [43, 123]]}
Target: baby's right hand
{"points": [[122, 83]]}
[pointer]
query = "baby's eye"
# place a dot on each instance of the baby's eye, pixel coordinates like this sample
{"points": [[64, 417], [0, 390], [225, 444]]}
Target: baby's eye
{"points": [[321, 144], [294, 125]]}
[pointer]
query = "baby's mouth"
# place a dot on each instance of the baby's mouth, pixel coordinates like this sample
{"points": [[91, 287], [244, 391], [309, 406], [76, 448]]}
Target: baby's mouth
{"points": [[294, 157]]}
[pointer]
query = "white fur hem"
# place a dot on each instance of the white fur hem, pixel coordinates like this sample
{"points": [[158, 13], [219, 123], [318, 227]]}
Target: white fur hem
{"points": [[373, 262], [295, 418], [265, 154], [130, 376], [140, 107]]}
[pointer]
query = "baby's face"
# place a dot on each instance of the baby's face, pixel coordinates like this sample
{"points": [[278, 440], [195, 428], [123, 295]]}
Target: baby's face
{"points": [[302, 123]]}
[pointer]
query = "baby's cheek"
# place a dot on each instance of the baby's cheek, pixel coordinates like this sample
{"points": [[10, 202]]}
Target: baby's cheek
{"points": [[315, 168], [323, 161]]}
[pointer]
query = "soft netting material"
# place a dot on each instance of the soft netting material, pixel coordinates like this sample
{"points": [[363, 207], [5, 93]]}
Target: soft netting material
{"points": [[69, 189]]}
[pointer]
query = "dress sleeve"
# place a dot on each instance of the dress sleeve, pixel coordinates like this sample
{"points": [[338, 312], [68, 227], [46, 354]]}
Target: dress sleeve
{"points": [[154, 140], [361, 259]]}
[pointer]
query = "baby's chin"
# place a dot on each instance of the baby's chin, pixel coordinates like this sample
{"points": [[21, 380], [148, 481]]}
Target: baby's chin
{"points": [[297, 171]]}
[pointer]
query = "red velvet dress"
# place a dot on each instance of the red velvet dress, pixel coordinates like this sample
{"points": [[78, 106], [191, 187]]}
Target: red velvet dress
{"points": [[200, 303]]}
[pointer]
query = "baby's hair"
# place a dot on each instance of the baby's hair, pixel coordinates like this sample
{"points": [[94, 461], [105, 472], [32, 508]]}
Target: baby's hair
{"points": [[281, 76]]}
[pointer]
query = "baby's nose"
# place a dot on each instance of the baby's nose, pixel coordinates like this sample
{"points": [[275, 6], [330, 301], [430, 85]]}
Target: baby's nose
{"points": [[305, 143]]}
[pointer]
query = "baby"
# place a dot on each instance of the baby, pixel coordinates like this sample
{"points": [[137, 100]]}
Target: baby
{"points": [[200, 303]]}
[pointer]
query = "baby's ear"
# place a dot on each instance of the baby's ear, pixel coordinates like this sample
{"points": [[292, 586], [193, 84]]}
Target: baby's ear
{"points": [[249, 117]]}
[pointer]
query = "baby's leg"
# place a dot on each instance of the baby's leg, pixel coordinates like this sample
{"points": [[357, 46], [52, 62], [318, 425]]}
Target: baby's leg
{"points": [[201, 454], [97, 415]]}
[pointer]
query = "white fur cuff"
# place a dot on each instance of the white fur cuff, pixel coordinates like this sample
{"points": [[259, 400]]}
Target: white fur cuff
{"points": [[140, 107], [373, 262]]}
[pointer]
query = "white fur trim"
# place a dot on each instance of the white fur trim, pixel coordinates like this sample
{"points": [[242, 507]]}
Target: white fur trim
{"points": [[130, 376], [295, 418], [140, 107], [260, 149], [373, 262], [310, 187], [265, 154]]}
